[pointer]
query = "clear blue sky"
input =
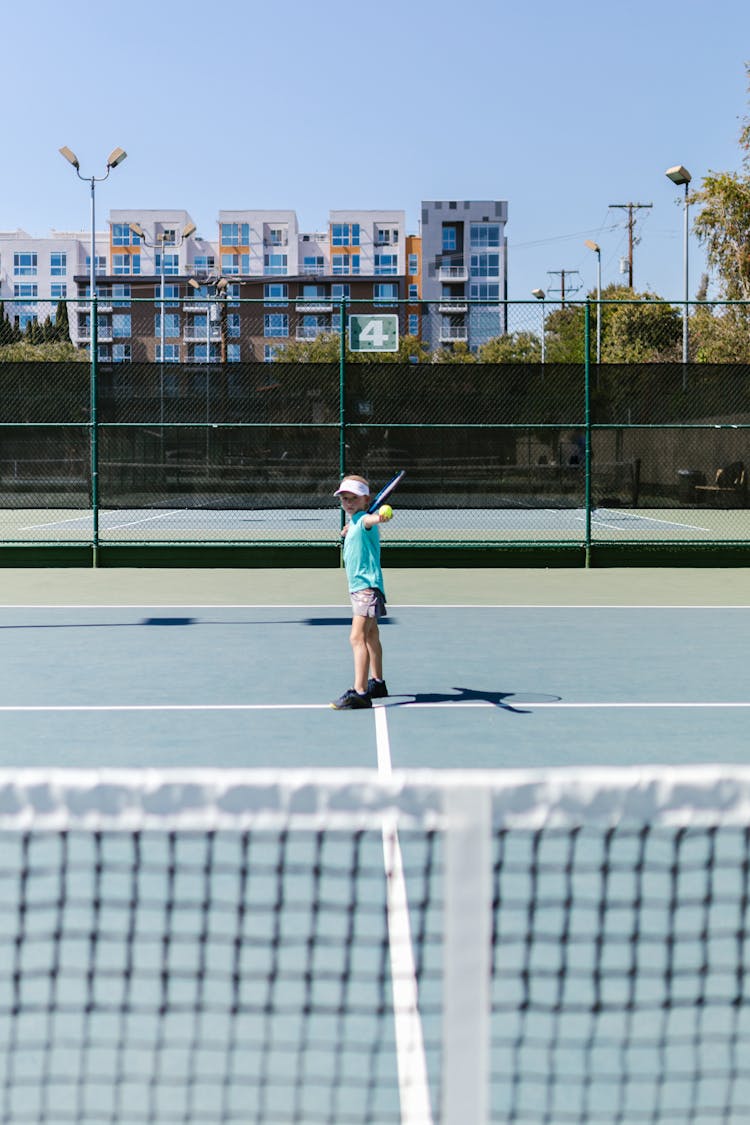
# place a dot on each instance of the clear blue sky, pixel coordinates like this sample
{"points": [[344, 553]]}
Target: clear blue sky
{"points": [[561, 109]]}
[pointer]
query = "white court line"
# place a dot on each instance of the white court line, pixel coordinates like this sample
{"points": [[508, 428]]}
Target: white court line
{"points": [[392, 606], [410, 1053], [110, 527], [510, 702]]}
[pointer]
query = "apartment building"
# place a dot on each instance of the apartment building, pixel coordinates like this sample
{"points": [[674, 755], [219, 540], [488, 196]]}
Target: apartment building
{"points": [[464, 260], [164, 292]]}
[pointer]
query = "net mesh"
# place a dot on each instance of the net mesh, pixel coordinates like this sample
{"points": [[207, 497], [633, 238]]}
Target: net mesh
{"points": [[254, 947]]}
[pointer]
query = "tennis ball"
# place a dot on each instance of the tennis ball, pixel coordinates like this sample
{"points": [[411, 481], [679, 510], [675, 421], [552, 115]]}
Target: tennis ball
{"points": [[385, 511]]}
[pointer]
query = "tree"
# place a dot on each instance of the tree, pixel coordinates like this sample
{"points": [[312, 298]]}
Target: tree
{"points": [[326, 346], [636, 328], [515, 347], [723, 222], [456, 353]]}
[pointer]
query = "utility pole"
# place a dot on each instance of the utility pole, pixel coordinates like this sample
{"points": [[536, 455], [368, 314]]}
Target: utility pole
{"points": [[562, 289], [631, 208]]}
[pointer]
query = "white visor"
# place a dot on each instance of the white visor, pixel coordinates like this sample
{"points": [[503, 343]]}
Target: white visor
{"points": [[355, 486]]}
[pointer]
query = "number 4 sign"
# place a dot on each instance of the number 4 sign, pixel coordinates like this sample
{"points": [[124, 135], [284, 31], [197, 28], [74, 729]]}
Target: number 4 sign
{"points": [[373, 333]]}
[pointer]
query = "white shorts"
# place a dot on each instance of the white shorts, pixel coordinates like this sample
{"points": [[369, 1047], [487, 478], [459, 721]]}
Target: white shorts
{"points": [[368, 603]]}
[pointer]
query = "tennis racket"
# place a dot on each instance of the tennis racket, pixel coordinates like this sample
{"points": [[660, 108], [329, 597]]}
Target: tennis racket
{"points": [[386, 492]]}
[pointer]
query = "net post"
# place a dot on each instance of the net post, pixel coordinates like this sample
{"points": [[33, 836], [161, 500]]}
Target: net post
{"points": [[466, 955]]}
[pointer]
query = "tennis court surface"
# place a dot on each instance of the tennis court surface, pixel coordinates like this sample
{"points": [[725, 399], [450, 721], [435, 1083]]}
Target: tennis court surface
{"points": [[516, 890]]}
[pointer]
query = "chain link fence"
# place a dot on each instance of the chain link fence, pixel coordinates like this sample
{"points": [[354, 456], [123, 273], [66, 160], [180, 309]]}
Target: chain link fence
{"points": [[520, 423]]}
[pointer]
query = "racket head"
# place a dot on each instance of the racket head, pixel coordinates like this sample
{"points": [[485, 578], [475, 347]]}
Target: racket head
{"points": [[386, 491]]}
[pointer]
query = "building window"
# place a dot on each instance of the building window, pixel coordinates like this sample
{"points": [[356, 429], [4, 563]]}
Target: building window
{"points": [[233, 324], [276, 291], [386, 236], [484, 235], [413, 292], [100, 264], [235, 234], [275, 264], [276, 324], [413, 264], [58, 264], [121, 353], [204, 263], [171, 295], [122, 235], [58, 290], [171, 353], [25, 264], [484, 291], [450, 238], [125, 264], [269, 353], [385, 291], [314, 265], [277, 236], [340, 290], [386, 264], [171, 264], [484, 265], [28, 289], [235, 264], [346, 263], [345, 234], [413, 324], [233, 353], [171, 324], [121, 324]]}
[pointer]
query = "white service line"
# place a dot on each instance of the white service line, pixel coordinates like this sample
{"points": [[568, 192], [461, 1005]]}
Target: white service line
{"points": [[380, 721], [413, 1084]]}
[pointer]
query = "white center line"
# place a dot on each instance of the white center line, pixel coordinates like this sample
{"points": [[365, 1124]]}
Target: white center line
{"points": [[410, 1053]]}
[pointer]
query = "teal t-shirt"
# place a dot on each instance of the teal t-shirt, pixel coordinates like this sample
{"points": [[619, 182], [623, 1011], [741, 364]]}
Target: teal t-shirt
{"points": [[362, 555]]}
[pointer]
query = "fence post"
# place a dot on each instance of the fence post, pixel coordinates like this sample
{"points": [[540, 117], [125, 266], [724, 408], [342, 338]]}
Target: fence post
{"points": [[94, 430], [587, 400], [342, 403]]}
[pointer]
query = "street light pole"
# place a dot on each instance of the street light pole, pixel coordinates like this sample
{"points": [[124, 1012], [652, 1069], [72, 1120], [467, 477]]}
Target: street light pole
{"points": [[159, 244], [679, 175], [115, 157], [597, 250]]}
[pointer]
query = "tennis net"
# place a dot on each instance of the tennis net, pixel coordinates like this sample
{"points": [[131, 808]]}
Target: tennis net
{"points": [[328, 946]]}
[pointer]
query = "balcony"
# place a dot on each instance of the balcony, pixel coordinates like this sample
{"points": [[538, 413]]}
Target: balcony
{"points": [[453, 305], [200, 334], [310, 331], [313, 305], [453, 273], [449, 334]]}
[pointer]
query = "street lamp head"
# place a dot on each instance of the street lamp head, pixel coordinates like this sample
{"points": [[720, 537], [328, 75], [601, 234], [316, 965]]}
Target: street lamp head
{"points": [[69, 156], [221, 284], [188, 230], [538, 293], [193, 283], [678, 175], [116, 157], [137, 229], [593, 246]]}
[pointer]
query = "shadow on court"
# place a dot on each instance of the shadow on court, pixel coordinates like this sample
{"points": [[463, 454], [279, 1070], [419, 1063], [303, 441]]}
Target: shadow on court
{"points": [[506, 700]]}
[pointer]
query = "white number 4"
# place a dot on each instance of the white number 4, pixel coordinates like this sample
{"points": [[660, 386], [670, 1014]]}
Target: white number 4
{"points": [[374, 334]]}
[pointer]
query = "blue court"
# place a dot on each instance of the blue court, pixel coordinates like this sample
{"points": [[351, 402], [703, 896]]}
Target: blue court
{"points": [[471, 686]]}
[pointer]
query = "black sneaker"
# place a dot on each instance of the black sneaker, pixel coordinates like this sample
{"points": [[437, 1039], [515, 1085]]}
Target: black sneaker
{"points": [[376, 689], [351, 700]]}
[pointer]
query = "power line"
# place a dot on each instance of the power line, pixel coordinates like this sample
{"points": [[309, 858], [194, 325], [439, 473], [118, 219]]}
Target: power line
{"points": [[563, 289], [631, 208]]}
